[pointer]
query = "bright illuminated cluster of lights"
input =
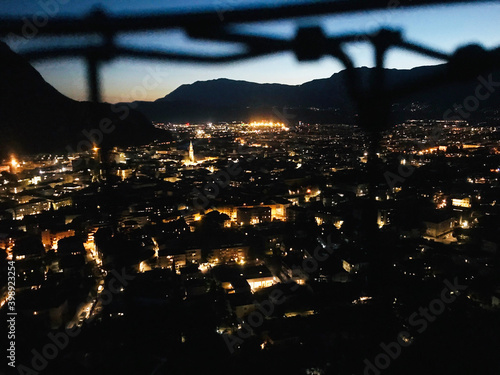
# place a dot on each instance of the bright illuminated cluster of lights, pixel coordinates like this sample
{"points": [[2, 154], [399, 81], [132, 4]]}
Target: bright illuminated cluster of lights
{"points": [[442, 204], [268, 124], [465, 202]]}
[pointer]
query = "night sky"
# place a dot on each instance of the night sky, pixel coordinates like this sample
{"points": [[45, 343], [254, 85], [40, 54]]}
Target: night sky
{"points": [[444, 28]]}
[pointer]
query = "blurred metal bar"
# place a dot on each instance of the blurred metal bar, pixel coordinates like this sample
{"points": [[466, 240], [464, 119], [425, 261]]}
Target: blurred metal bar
{"points": [[256, 46], [100, 22], [423, 50], [94, 80]]}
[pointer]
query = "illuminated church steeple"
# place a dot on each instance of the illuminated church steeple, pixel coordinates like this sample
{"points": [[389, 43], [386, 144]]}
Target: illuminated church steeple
{"points": [[190, 160], [191, 152]]}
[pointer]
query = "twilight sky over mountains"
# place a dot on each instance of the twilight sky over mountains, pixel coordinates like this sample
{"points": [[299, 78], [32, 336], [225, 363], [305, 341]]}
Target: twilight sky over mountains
{"points": [[443, 28]]}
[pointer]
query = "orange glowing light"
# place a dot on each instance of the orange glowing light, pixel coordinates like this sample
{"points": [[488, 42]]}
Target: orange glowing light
{"points": [[14, 162]]}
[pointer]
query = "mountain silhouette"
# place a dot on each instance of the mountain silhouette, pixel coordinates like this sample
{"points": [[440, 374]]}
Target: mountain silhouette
{"points": [[323, 100], [36, 118]]}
